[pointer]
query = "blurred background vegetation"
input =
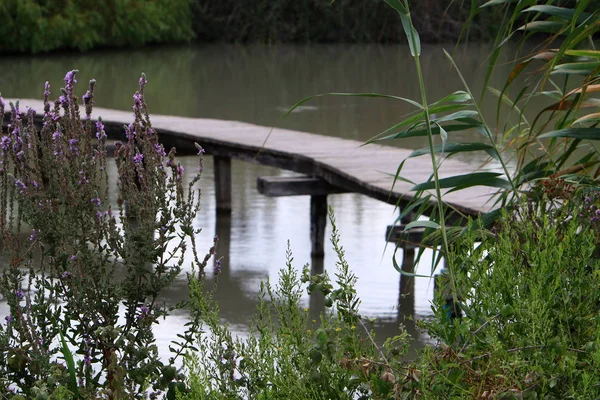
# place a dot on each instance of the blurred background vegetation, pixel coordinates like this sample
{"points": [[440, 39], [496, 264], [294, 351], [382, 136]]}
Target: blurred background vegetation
{"points": [[34, 26]]}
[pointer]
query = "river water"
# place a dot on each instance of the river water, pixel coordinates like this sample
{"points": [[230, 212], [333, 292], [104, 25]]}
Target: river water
{"points": [[258, 84]]}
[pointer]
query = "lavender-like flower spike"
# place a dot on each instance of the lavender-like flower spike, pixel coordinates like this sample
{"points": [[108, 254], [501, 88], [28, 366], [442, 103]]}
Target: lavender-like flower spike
{"points": [[138, 99], [142, 82], [2, 105], [138, 158], [46, 96], [70, 82], [87, 99], [100, 134]]}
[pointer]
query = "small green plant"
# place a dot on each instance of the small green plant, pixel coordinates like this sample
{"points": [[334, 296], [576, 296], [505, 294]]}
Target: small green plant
{"points": [[289, 356], [82, 277]]}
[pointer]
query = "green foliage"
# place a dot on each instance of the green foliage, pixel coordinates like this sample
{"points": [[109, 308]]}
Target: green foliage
{"points": [[33, 26], [289, 356], [530, 303]]}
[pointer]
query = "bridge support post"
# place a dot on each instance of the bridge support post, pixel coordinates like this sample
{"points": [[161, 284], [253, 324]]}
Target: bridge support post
{"points": [[318, 222], [317, 188], [222, 167]]}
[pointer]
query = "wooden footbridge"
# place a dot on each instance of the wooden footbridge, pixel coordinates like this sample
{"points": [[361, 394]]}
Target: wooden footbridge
{"points": [[330, 165]]}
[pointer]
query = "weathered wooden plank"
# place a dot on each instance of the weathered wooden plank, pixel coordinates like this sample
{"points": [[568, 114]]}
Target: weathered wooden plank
{"points": [[295, 186]]}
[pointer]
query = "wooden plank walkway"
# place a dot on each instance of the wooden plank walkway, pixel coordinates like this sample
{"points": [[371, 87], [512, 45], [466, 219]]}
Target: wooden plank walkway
{"points": [[343, 163]]}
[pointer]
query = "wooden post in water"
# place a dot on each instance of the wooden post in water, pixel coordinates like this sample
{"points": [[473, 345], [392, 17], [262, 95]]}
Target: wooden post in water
{"points": [[317, 188], [222, 167], [318, 222]]}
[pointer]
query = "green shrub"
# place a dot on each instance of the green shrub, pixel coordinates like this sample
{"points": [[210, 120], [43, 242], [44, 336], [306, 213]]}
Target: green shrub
{"points": [[33, 26], [531, 305]]}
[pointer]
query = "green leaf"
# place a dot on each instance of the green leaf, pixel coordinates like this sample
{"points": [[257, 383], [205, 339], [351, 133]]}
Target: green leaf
{"points": [[583, 53], [435, 130], [460, 96], [398, 6], [421, 224], [414, 42], [574, 133], [459, 182], [496, 2], [464, 115], [452, 148], [561, 12], [70, 364], [384, 96]]}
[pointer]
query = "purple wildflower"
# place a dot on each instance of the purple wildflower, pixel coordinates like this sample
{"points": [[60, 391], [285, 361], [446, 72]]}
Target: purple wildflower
{"points": [[99, 215], [217, 269], [144, 311], [73, 257], [70, 78], [87, 97], [160, 150], [142, 81], [33, 236], [82, 178], [73, 146], [5, 142], [180, 170], [21, 186], [9, 319], [96, 201], [63, 100], [200, 151], [46, 92], [130, 132], [137, 101], [138, 158], [87, 360], [66, 275], [20, 295], [100, 134], [56, 135]]}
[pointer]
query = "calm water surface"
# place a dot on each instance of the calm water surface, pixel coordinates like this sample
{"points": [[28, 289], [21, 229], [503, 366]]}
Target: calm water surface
{"points": [[257, 84]]}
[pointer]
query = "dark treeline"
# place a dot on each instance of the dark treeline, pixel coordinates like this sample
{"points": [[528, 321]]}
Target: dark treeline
{"points": [[337, 21], [34, 26]]}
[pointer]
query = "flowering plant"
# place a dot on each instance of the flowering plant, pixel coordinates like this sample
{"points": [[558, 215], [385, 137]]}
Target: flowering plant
{"points": [[82, 283]]}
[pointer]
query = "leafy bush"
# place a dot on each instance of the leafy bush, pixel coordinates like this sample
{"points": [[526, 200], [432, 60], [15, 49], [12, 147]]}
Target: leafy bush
{"points": [[531, 311], [33, 26]]}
